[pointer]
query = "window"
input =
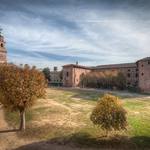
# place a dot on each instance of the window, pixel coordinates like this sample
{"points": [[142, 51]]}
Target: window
{"points": [[142, 74], [128, 69], [149, 63], [57, 80], [1, 45], [136, 69], [136, 75], [128, 75], [67, 74], [142, 65], [54, 80]]}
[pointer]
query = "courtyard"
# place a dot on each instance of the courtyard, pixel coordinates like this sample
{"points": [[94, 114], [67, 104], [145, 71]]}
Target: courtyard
{"points": [[62, 121]]}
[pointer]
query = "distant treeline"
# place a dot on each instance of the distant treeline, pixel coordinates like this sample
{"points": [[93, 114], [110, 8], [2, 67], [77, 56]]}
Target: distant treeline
{"points": [[104, 80]]}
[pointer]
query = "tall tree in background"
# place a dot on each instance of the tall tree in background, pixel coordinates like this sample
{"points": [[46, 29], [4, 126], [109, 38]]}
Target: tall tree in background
{"points": [[105, 80], [121, 80], [20, 88], [46, 72]]}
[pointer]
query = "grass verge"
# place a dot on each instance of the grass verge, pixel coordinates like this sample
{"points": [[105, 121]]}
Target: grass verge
{"points": [[64, 118]]}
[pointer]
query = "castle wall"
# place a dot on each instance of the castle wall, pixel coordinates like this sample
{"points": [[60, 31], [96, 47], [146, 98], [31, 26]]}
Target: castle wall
{"points": [[68, 76], [138, 74], [144, 76], [130, 72], [71, 75], [77, 74]]}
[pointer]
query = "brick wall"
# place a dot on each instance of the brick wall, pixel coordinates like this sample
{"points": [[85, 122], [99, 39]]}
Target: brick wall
{"points": [[144, 76], [71, 75]]}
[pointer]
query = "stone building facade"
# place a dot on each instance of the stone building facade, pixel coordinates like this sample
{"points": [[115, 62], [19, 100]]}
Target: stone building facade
{"points": [[71, 74], [138, 73], [144, 74], [129, 69], [3, 52], [54, 76]]}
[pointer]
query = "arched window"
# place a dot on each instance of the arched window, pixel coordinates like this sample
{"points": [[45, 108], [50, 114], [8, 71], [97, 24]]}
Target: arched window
{"points": [[1, 44]]}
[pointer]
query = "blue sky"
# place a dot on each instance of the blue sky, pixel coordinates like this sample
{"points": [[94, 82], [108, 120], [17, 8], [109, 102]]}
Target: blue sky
{"points": [[49, 33]]}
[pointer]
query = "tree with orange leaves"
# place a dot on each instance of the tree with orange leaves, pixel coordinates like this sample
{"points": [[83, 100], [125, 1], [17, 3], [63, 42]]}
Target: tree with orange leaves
{"points": [[20, 88]]}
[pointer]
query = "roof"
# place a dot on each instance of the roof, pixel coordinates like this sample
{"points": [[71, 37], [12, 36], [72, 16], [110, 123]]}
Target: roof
{"points": [[144, 59], [77, 66], [54, 72], [115, 66]]}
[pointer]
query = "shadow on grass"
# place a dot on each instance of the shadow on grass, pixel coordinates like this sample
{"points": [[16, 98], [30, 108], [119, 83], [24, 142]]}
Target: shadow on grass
{"points": [[5, 131], [80, 94], [87, 96], [120, 93], [84, 140]]}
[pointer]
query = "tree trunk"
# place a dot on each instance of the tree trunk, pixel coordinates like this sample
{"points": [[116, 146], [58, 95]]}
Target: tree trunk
{"points": [[22, 117], [106, 133]]}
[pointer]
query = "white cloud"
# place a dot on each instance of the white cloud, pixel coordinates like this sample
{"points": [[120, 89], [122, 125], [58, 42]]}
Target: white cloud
{"points": [[104, 41]]}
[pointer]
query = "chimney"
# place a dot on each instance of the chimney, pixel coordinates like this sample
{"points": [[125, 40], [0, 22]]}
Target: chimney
{"points": [[55, 68], [76, 63]]}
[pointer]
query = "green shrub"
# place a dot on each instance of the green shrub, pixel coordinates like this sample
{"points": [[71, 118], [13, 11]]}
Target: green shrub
{"points": [[109, 113]]}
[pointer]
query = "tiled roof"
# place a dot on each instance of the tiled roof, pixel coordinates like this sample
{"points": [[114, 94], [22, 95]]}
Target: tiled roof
{"points": [[77, 66], [144, 59], [115, 66]]}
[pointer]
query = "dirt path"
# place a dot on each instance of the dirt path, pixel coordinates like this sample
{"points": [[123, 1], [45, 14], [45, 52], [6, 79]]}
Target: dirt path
{"points": [[10, 141]]}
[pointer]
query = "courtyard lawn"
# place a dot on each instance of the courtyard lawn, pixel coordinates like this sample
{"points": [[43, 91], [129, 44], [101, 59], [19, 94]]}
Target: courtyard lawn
{"points": [[64, 118]]}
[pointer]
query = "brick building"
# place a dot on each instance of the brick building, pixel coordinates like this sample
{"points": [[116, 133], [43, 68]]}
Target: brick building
{"points": [[54, 76], [71, 74], [3, 53], [138, 73]]}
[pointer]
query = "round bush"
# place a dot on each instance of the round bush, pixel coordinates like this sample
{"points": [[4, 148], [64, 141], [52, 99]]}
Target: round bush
{"points": [[109, 113]]}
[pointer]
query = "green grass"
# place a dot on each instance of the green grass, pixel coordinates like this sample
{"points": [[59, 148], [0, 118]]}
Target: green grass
{"points": [[54, 84], [66, 120], [15, 117]]}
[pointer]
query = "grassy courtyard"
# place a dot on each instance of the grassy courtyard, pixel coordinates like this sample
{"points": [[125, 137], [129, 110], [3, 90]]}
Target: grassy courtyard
{"points": [[64, 118]]}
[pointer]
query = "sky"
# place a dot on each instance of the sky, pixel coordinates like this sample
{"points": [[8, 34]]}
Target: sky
{"points": [[48, 33]]}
